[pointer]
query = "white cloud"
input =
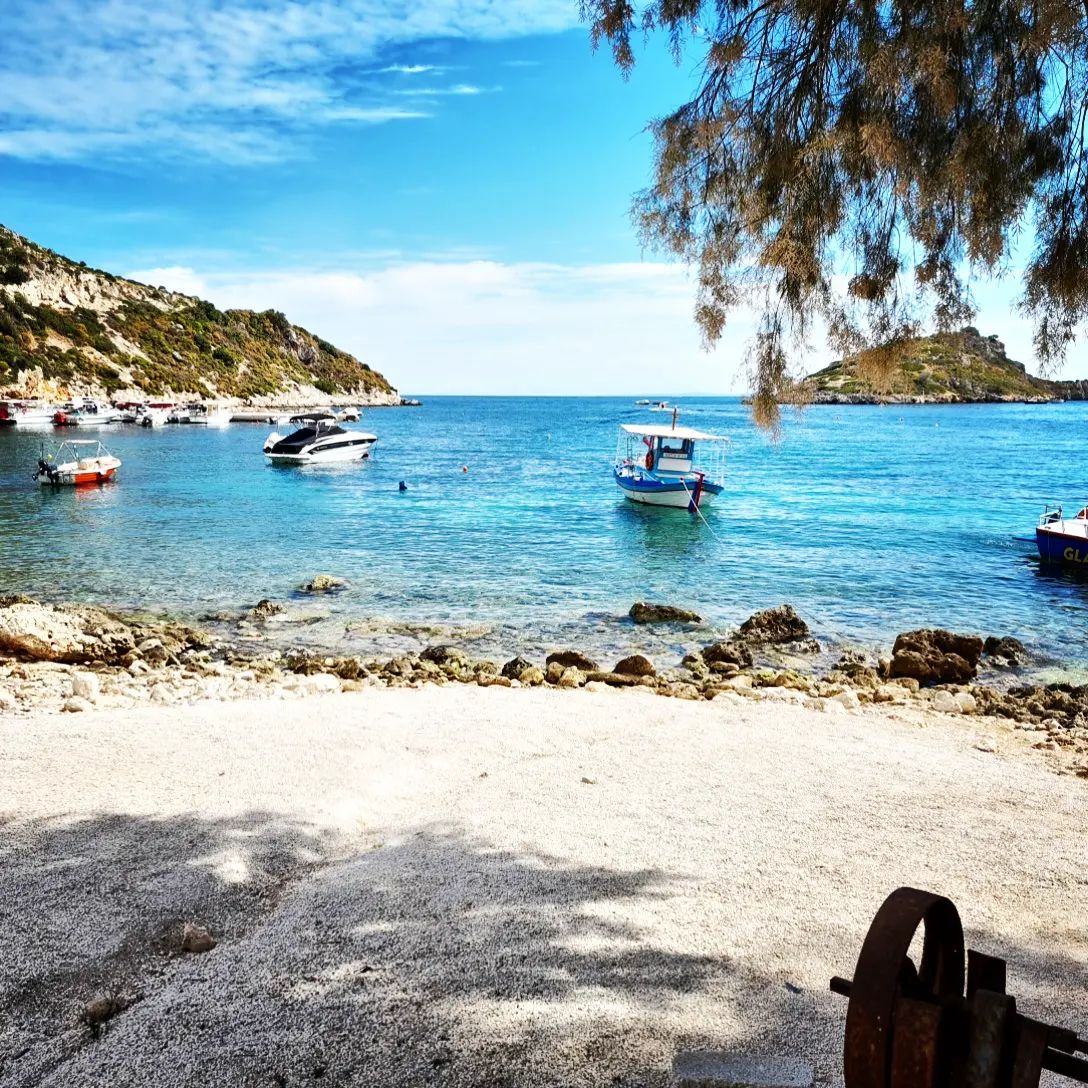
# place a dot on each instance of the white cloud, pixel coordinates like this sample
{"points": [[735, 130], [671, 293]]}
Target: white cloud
{"points": [[480, 326], [456, 89], [483, 326], [97, 77]]}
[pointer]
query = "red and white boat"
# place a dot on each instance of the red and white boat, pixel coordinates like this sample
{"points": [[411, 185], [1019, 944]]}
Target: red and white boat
{"points": [[77, 463]]}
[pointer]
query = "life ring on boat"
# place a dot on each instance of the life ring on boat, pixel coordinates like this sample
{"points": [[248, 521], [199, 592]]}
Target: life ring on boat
{"points": [[650, 461]]}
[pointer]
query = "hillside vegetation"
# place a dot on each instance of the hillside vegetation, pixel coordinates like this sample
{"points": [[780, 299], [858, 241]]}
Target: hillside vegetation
{"points": [[69, 330], [954, 368]]}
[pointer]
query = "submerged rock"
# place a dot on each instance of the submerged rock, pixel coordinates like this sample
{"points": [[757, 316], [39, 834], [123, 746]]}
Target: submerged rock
{"points": [[322, 583], [645, 612], [264, 609], [935, 656], [569, 658], [772, 625]]}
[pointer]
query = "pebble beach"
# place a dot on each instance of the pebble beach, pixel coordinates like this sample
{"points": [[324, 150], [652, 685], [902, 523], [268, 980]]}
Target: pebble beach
{"points": [[465, 886]]}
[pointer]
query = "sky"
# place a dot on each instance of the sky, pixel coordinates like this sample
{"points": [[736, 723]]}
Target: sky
{"points": [[441, 188]]}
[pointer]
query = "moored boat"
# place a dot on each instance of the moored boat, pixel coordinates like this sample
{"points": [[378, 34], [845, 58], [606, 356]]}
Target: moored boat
{"points": [[77, 463], [27, 413], [656, 465], [1061, 539], [318, 440]]}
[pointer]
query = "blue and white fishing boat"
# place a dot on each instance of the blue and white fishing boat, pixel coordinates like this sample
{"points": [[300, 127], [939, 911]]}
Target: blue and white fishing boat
{"points": [[656, 465], [1061, 539]]}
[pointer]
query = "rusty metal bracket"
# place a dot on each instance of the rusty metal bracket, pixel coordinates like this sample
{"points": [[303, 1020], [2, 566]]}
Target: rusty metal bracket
{"points": [[916, 1026]]}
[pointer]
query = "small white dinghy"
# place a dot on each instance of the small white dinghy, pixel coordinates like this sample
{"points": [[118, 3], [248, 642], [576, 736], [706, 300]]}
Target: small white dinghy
{"points": [[77, 463]]}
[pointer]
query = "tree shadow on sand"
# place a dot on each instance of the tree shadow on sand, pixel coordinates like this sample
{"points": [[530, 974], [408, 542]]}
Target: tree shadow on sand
{"points": [[431, 958]]}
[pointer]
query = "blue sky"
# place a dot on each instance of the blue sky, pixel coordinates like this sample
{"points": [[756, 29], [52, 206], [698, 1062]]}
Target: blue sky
{"points": [[441, 188]]}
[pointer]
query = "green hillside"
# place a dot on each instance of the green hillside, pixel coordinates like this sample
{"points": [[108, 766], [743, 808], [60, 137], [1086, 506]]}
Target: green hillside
{"points": [[954, 368], [71, 330]]}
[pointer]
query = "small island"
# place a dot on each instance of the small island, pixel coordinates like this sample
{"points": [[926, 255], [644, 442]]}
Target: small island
{"points": [[961, 367]]}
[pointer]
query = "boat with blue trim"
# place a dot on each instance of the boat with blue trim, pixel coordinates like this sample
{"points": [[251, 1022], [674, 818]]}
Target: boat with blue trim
{"points": [[656, 465], [1061, 539]]}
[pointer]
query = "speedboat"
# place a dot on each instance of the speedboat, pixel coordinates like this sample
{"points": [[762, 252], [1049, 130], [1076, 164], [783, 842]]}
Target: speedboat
{"points": [[656, 465], [77, 463], [641, 403], [1061, 539], [318, 440], [662, 406]]}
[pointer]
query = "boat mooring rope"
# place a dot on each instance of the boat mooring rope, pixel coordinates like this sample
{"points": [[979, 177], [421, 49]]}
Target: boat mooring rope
{"points": [[692, 502]]}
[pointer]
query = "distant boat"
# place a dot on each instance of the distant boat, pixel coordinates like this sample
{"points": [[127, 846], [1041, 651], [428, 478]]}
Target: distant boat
{"points": [[27, 413], [77, 463], [662, 406], [1061, 539], [318, 440], [641, 403], [656, 465]]}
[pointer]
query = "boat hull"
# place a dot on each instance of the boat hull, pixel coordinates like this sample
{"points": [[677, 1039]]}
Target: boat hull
{"points": [[1067, 545], [79, 477], [356, 452], [652, 491]]}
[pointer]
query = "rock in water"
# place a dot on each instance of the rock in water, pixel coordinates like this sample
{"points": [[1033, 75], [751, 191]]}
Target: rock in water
{"points": [[645, 612], [935, 656], [1006, 652], [322, 583], [265, 608], [781, 624], [635, 665], [573, 658]]}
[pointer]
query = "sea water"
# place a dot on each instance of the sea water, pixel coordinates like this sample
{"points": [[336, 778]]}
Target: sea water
{"points": [[869, 520]]}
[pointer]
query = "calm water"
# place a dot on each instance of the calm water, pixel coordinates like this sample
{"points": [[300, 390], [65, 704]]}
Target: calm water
{"points": [[870, 520]]}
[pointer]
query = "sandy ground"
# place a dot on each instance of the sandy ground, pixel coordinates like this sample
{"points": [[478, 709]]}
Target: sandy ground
{"points": [[489, 887]]}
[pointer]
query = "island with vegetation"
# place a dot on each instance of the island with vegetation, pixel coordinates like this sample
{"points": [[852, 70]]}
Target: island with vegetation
{"points": [[67, 330], [962, 367]]}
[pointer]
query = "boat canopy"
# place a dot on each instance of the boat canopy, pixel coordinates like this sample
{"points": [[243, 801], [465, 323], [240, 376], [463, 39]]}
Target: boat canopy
{"points": [[665, 431]]}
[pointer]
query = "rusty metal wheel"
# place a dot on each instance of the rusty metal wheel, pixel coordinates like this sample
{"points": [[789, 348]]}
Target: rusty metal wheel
{"points": [[885, 975]]}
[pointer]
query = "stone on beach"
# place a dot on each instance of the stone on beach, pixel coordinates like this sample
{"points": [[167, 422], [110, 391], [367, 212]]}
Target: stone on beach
{"points": [[85, 685], [513, 669], [935, 656], [196, 938], [75, 634], [719, 1069], [727, 652], [635, 665], [647, 612], [575, 658]]}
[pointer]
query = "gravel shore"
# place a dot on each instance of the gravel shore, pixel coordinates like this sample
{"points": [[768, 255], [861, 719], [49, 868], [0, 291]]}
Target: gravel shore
{"points": [[483, 886]]}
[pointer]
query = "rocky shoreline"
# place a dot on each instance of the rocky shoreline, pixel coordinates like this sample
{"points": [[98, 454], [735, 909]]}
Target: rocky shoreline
{"points": [[76, 658]]}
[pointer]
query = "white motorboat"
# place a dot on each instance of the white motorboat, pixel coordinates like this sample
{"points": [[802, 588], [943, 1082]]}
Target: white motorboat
{"points": [[318, 440], [27, 413], [77, 463]]}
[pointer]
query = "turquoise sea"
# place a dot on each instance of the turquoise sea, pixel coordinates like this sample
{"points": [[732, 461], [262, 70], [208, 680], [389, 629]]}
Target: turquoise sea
{"points": [[870, 520]]}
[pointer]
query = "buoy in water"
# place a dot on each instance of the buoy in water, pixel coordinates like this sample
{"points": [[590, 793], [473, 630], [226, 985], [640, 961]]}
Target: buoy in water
{"points": [[464, 468]]}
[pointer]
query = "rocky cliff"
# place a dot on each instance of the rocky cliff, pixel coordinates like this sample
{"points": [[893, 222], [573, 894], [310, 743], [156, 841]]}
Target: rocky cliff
{"points": [[67, 330], [947, 368]]}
